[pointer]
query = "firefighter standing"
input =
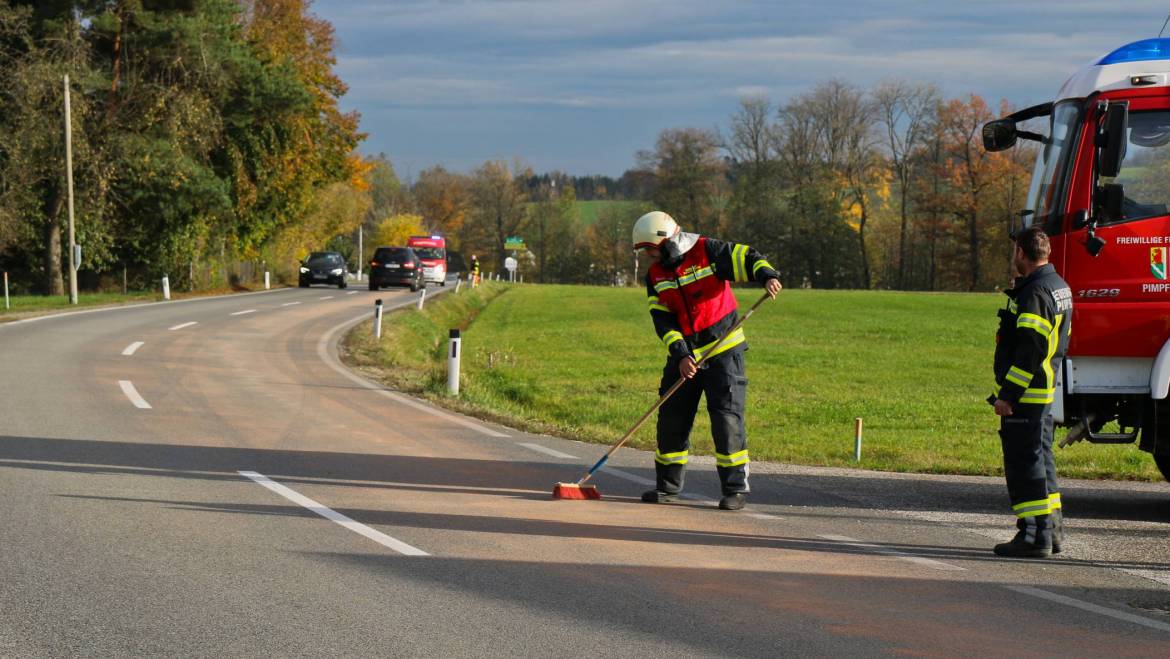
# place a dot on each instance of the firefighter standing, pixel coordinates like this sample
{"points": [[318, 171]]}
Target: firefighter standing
{"points": [[692, 306], [1031, 344], [474, 270]]}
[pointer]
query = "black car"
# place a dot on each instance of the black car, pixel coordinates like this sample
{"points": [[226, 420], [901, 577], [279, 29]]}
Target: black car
{"points": [[398, 266], [324, 268]]}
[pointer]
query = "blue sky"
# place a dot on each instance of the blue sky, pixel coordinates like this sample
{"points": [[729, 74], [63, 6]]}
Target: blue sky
{"points": [[582, 85]]}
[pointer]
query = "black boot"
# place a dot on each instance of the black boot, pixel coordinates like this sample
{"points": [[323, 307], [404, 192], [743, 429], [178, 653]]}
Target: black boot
{"points": [[1033, 539], [658, 496], [735, 501]]}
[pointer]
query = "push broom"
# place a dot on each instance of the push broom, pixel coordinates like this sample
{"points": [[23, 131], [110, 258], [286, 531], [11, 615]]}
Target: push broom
{"points": [[580, 490]]}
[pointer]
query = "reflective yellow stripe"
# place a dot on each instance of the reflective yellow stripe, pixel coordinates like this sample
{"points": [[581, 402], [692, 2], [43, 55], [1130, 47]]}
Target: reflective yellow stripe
{"points": [[654, 306], [1032, 508], [1018, 376], [735, 339], [679, 458], [761, 264], [670, 337], [1038, 323], [739, 262], [695, 276], [733, 460], [1038, 396], [1054, 501], [664, 285], [1012, 306]]}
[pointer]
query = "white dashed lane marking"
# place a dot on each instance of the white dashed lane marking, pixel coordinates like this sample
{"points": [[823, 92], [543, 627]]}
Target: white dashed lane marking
{"points": [[241, 313], [132, 348], [132, 394], [547, 451], [182, 325], [289, 304]]}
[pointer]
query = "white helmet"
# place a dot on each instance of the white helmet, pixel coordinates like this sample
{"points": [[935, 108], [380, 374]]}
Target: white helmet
{"points": [[653, 228]]}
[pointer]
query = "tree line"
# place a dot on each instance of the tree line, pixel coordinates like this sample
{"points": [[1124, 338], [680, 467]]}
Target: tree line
{"points": [[842, 187], [205, 133]]}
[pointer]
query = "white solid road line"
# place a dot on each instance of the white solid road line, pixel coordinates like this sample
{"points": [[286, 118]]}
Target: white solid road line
{"points": [[878, 549], [333, 363], [330, 514], [1090, 607], [179, 327], [130, 349], [547, 451], [289, 304], [241, 313], [132, 394]]}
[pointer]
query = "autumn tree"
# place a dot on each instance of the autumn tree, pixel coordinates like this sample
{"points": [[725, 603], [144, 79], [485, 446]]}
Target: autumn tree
{"points": [[690, 181], [498, 208], [905, 112]]}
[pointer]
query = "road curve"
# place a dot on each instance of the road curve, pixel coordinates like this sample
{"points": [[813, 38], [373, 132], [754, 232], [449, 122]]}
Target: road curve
{"points": [[204, 478]]}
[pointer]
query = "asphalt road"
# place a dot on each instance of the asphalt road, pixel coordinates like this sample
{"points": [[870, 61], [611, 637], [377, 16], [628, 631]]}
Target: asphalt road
{"points": [[204, 478]]}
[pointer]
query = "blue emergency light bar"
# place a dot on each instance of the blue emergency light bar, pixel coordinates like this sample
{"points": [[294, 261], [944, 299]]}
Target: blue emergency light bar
{"points": [[1139, 51]]}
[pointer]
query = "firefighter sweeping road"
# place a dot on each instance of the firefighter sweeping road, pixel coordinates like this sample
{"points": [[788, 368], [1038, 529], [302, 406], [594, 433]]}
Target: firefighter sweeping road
{"points": [[205, 478]]}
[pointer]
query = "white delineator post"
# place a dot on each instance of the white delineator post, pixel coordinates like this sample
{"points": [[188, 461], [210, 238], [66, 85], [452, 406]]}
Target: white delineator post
{"points": [[422, 298], [377, 319], [857, 440], [6, 305], [166, 287], [458, 283], [453, 363], [267, 284]]}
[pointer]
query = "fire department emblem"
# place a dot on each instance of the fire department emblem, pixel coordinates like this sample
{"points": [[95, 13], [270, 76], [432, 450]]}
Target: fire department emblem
{"points": [[1158, 262]]}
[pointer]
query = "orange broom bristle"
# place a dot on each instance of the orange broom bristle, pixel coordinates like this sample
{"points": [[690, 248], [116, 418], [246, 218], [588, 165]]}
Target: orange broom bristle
{"points": [[575, 491]]}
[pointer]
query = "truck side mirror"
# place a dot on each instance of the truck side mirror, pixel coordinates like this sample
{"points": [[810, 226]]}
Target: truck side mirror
{"points": [[999, 135], [1112, 139]]}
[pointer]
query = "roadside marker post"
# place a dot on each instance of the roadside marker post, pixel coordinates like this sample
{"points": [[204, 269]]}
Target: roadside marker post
{"points": [[6, 305], [166, 283], [458, 283], [857, 440], [422, 298], [267, 285], [453, 362], [378, 319]]}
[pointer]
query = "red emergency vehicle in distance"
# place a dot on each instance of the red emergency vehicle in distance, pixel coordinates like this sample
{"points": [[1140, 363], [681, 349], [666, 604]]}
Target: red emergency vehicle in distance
{"points": [[432, 251], [1101, 189]]}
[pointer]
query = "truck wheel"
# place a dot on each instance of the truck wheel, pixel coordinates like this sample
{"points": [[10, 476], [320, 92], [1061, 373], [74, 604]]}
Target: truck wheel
{"points": [[1163, 462]]}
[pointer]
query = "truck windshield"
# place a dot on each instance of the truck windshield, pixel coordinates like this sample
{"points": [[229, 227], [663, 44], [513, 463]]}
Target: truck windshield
{"points": [[429, 252], [1050, 172], [1145, 171]]}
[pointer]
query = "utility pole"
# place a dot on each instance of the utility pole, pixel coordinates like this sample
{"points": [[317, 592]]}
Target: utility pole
{"points": [[69, 182], [360, 258]]}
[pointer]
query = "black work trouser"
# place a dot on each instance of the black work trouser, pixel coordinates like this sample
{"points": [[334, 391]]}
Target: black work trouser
{"points": [[723, 381], [1030, 470]]}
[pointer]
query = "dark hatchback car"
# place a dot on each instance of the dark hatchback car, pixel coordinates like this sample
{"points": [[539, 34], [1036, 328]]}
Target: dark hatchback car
{"points": [[324, 268], [398, 266]]}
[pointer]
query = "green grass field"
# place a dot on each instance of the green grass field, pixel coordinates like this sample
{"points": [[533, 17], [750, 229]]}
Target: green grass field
{"points": [[583, 362], [24, 303]]}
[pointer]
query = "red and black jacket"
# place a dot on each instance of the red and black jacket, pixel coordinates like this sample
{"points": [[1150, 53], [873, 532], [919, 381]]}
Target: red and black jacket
{"points": [[690, 300]]}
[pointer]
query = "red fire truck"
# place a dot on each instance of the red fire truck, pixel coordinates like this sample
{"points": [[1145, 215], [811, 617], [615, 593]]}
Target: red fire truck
{"points": [[1101, 189], [432, 251]]}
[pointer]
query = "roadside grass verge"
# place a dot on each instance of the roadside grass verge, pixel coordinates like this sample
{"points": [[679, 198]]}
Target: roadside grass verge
{"points": [[583, 362], [24, 306]]}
